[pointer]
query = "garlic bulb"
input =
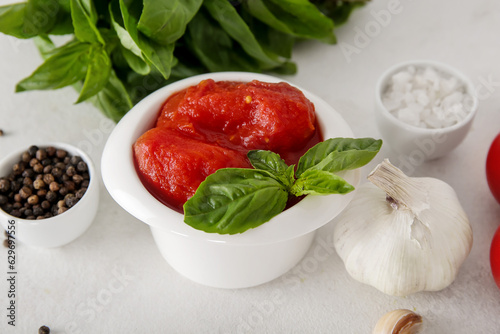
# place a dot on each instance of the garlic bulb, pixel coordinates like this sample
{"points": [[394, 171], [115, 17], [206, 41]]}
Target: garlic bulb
{"points": [[399, 322], [402, 234]]}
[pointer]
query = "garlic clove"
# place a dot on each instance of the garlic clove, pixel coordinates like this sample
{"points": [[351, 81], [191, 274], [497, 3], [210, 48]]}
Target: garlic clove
{"points": [[400, 321]]}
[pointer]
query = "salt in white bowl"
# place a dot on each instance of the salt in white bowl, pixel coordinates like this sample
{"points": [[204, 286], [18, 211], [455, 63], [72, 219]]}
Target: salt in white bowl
{"points": [[417, 143]]}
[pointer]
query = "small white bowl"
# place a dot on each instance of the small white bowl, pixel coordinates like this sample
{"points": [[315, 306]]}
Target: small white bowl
{"points": [[224, 261], [417, 143], [58, 230]]}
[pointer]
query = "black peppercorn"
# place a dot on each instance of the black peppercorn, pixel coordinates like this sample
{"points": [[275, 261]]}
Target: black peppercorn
{"points": [[41, 154], [63, 191], [3, 199], [60, 165], [51, 151], [54, 186], [33, 162], [38, 184], [77, 179], [32, 150], [51, 196], [32, 200], [27, 181], [44, 330], [48, 178], [80, 192], [4, 185], [75, 160], [38, 168], [57, 172], [61, 154], [18, 168], [25, 192], [28, 173], [26, 157], [71, 200], [45, 205], [70, 185], [37, 210], [82, 166], [70, 171], [17, 198]]}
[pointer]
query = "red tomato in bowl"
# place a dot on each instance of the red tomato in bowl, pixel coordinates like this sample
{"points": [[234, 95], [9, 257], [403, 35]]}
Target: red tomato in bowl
{"points": [[495, 257], [493, 168]]}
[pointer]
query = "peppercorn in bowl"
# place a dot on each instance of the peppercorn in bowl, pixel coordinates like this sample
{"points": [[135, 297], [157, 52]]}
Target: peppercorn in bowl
{"points": [[49, 194]]}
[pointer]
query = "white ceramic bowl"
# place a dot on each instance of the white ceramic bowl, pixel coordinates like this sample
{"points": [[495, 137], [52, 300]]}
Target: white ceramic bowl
{"points": [[61, 229], [421, 144], [225, 261]]}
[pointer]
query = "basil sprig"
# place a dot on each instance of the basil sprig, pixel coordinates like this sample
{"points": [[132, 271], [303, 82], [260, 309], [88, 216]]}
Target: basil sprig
{"points": [[233, 200]]}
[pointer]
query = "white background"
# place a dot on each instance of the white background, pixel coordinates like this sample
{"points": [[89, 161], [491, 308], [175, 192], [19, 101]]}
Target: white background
{"points": [[113, 279]]}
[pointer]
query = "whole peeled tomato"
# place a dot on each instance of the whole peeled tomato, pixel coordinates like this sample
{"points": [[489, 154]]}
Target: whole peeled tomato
{"points": [[495, 257], [493, 168]]}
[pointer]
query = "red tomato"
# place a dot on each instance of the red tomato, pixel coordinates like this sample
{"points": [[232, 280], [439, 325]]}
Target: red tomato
{"points": [[495, 257], [493, 168], [173, 165]]}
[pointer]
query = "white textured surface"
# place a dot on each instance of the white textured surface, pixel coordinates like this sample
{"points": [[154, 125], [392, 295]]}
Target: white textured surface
{"points": [[113, 279]]}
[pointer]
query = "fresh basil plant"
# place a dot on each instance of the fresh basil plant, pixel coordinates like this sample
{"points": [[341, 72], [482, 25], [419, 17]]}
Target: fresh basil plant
{"points": [[122, 50]]}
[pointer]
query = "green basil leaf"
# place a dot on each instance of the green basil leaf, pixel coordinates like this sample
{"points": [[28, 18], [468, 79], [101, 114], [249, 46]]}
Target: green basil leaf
{"points": [[320, 182], [113, 100], [12, 20], [35, 17], [66, 66], [47, 17], [259, 10], [204, 36], [229, 19], [98, 72], [84, 22], [166, 21], [272, 40], [303, 18], [272, 163], [337, 154], [338, 11], [160, 56], [44, 45], [234, 200], [136, 63], [123, 35]]}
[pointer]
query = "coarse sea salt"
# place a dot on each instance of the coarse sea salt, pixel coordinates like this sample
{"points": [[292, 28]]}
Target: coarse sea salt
{"points": [[427, 98]]}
